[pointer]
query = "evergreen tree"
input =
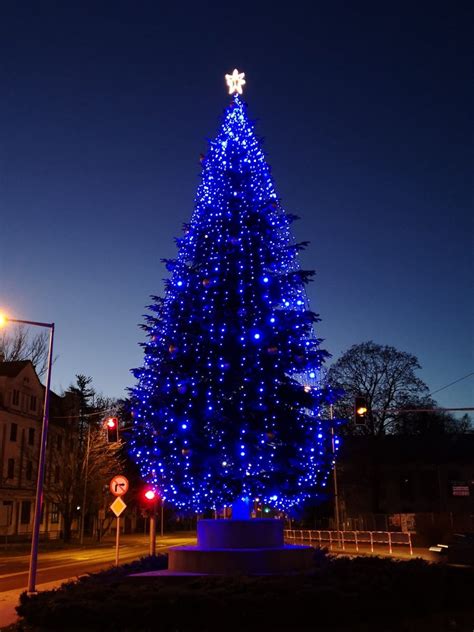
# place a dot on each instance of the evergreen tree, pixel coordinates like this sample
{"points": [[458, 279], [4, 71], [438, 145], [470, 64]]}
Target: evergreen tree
{"points": [[228, 401]]}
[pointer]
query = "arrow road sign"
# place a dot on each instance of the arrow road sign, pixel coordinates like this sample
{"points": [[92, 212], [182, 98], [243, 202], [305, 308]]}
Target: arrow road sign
{"points": [[118, 485]]}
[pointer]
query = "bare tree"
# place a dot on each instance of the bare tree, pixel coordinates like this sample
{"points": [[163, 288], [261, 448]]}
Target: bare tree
{"points": [[20, 344], [66, 475], [81, 460], [386, 377]]}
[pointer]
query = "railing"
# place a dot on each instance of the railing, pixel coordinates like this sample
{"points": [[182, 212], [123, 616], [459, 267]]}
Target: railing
{"points": [[351, 539]]}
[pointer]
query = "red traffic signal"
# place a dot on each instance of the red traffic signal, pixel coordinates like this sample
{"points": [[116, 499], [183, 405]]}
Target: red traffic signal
{"points": [[112, 429], [150, 494]]}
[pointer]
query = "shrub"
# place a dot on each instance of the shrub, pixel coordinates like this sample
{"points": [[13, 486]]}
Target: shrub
{"points": [[356, 594]]}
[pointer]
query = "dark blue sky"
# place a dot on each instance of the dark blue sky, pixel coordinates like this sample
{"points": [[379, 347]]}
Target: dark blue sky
{"points": [[365, 111]]}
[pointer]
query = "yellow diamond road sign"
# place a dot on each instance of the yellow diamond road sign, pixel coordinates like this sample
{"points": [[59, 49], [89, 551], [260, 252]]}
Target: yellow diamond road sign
{"points": [[118, 506]]}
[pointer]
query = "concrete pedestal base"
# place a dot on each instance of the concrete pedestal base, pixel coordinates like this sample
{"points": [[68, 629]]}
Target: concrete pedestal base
{"points": [[239, 546]]}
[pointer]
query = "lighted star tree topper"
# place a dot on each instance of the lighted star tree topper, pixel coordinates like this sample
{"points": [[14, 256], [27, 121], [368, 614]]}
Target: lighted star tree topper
{"points": [[227, 405]]}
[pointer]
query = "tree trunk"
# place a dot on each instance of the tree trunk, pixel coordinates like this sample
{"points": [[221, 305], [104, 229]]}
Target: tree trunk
{"points": [[67, 528]]}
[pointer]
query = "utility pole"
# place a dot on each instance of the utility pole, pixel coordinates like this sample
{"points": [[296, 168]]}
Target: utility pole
{"points": [[334, 472], [86, 473], [161, 523]]}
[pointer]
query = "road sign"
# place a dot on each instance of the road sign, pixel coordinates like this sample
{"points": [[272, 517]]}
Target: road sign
{"points": [[118, 506], [118, 485], [460, 490]]}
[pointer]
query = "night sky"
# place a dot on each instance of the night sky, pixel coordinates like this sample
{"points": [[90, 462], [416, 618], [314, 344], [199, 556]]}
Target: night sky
{"points": [[365, 111]]}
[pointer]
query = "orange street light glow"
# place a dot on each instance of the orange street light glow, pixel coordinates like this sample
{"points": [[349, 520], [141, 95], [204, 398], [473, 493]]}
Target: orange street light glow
{"points": [[3, 320]]}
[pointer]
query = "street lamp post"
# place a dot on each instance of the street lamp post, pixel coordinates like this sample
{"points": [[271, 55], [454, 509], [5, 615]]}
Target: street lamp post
{"points": [[42, 454]]}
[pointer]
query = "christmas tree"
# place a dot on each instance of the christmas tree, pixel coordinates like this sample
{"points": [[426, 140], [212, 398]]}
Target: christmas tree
{"points": [[227, 405]]}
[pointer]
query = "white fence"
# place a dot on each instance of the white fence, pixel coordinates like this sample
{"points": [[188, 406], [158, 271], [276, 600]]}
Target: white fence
{"points": [[356, 539]]}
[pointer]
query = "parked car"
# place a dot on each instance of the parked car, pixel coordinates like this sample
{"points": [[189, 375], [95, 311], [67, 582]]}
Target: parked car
{"points": [[458, 549]]}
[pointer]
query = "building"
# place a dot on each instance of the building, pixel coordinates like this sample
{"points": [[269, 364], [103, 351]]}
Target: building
{"points": [[21, 413], [421, 482]]}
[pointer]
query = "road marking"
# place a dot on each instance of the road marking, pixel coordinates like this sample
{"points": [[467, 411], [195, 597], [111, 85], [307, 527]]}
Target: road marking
{"points": [[73, 562]]}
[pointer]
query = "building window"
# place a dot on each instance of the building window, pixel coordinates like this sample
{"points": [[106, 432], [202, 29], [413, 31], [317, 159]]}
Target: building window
{"points": [[29, 470], [60, 442], [25, 512], [16, 398], [54, 513], [33, 402], [57, 474], [11, 468], [31, 436], [13, 431]]}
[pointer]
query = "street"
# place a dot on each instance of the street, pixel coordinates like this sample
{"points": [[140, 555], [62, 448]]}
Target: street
{"points": [[69, 563]]}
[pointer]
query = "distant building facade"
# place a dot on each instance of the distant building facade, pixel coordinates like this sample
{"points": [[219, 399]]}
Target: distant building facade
{"points": [[407, 482], [21, 413]]}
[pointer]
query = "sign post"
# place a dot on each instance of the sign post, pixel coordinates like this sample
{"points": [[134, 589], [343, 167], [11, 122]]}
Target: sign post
{"points": [[117, 540], [153, 530], [150, 497], [118, 486], [117, 507]]}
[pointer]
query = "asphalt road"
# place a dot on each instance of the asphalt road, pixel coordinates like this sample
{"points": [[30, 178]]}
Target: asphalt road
{"points": [[69, 563]]}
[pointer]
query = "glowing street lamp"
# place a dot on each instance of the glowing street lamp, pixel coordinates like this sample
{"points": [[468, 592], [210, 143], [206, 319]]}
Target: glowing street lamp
{"points": [[4, 320]]}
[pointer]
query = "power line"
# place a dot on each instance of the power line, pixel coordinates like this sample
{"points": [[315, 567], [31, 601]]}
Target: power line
{"points": [[451, 383], [93, 414]]}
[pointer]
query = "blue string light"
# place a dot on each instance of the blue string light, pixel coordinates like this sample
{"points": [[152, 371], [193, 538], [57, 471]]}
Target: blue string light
{"points": [[227, 402]]}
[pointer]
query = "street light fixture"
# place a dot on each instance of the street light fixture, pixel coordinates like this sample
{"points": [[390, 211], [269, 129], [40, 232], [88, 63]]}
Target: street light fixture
{"points": [[42, 455]]}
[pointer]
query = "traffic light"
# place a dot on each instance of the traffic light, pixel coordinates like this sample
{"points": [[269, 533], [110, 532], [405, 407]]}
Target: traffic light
{"points": [[112, 430], [149, 500], [361, 409], [150, 495]]}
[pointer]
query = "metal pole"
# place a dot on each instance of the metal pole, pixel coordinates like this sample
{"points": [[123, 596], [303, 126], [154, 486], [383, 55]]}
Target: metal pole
{"points": [[153, 530], [83, 512], [162, 523], [334, 471], [41, 464], [117, 542]]}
